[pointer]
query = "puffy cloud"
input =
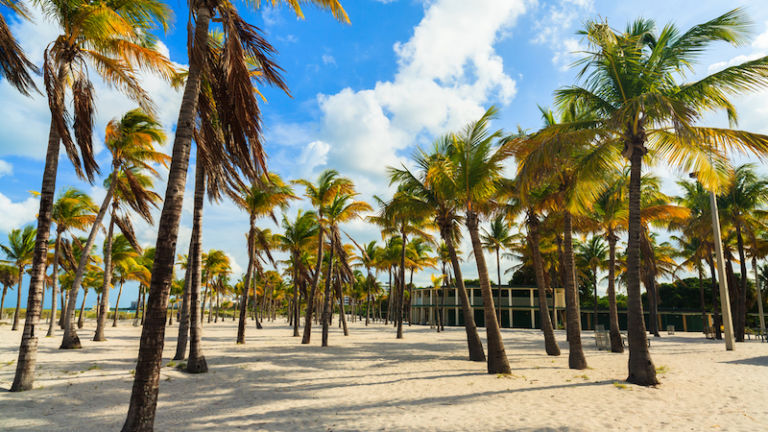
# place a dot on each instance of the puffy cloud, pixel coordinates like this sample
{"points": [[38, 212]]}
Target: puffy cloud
{"points": [[557, 21], [5, 168], [17, 214]]}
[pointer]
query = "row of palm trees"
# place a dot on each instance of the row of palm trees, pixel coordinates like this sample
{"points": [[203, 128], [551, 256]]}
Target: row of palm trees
{"points": [[630, 107]]}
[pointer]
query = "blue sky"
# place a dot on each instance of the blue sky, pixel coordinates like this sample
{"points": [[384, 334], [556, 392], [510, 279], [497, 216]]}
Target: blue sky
{"points": [[365, 95]]}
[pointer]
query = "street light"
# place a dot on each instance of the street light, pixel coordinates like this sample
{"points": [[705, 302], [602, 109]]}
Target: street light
{"points": [[725, 301]]}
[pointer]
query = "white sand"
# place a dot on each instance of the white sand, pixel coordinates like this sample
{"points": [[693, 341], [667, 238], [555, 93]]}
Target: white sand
{"points": [[371, 381]]}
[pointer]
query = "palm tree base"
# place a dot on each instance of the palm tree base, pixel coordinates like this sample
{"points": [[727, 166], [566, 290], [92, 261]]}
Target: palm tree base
{"points": [[71, 342], [197, 365]]}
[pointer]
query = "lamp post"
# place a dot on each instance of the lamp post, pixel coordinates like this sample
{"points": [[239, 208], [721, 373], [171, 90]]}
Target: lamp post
{"points": [[725, 301]]}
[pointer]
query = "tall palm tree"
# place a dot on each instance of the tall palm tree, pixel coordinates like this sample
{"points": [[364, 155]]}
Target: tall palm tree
{"points": [[72, 210], [298, 237], [131, 140], [9, 276], [476, 162], [632, 83], [321, 194], [115, 37], [343, 208], [497, 238], [14, 65], [438, 194], [19, 252], [260, 200]]}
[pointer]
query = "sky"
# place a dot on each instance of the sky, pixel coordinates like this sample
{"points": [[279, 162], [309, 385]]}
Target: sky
{"points": [[363, 96]]}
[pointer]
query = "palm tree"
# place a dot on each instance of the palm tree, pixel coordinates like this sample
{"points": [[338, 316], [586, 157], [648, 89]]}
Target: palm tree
{"points": [[477, 163], [260, 200], [72, 210], [114, 37], [128, 268], [9, 276], [495, 239], [329, 184], [437, 194], [592, 255], [745, 195], [298, 237], [632, 84], [343, 208], [14, 65], [131, 140], [19, 252]]}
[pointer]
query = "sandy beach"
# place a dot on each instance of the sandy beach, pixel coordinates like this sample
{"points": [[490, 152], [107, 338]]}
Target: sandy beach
{"points": [[371, 381]]}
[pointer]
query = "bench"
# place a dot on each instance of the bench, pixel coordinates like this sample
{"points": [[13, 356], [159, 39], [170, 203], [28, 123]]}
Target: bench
{"points": [[602, 340], [670, 329]]}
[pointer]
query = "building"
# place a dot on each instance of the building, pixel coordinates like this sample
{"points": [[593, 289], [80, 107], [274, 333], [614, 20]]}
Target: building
{"points": [[519, 306]]}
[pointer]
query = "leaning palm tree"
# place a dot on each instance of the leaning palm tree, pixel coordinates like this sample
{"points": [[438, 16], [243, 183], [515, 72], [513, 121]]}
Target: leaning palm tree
{"points": [[19, 252], [438, 193], [343, 208], [8, 277], [131, 140], [298, 237], [591, 256], [14, 65], [475, 167], [321, 194], [72, 210], [113, 37], [632, 83], [260, 200]]}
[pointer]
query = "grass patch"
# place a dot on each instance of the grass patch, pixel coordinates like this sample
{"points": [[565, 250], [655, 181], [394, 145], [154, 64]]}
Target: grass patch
{"points": [[94, 367], [584, 377], [661, 370], [619, 385], [8, 363], [132, 372], [171, 364], [181, 365]]}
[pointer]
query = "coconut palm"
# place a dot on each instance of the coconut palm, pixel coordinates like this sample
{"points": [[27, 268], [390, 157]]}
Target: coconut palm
{"points": [[9, 276], [72, 210], [128, 268], [260, 200], [342, 208], [321, 194], [298, 237], [476, 163], [632, 83], [131, 140], [19, 252], [113, 38], [437, 192], [496, 238], [14, 65]]}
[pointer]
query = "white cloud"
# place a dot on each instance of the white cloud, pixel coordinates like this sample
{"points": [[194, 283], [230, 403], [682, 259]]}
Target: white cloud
{"points": [[556, 22], [328, 59], [16, 214], [5, 168]]}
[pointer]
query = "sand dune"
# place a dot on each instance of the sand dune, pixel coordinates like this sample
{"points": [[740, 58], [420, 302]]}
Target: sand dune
{"points": [[371, 381]]}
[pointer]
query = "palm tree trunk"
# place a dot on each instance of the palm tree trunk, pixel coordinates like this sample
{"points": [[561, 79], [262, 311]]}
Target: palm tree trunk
{"points": [[117, 305], [25, 365], [295, 306], [498, 363], [54, 283], [342, 312], [650, 272], [576, 359], [101, 320], [594, 274], [64, 302], [617, 345], [498, 292], [715, 302], [702, 303], [474, 344], [15, 325], [246, 282], [327, 297], [641, 368], [138, 306], [760, 315], [742, 292], [2, 301], [70, 340], [313, 290], [82, 307], [183, 336], [141, 412], [550, 343], [196, 362], [390, 298]]}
